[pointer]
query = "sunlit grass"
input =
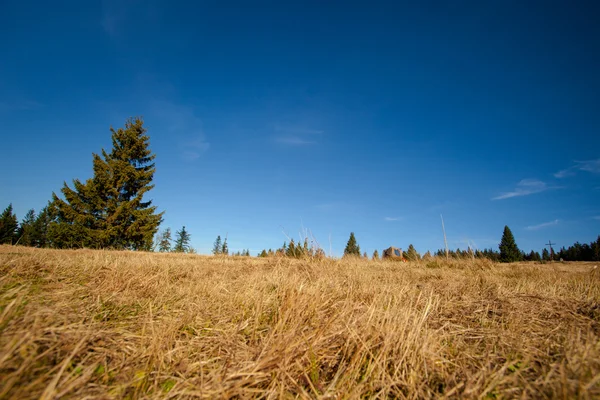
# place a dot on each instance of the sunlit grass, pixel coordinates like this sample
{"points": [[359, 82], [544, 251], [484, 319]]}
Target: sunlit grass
{"points": [[109, 324]]}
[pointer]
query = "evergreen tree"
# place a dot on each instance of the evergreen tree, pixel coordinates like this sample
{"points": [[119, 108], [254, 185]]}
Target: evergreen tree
{"points": [[218, 246], [305, 248], [109, 210], [509, 252], [291, 250], [182, 242], [42, 223], [8, 226], [225, 249], [263, 254], [411, 253], [375, 255], [352, 248], [26, 234], [164, 241], [596, 249], [545, 255]]}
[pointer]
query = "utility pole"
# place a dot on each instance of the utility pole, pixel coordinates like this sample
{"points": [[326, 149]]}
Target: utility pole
{"points": [[445, 241], [551, 251]]}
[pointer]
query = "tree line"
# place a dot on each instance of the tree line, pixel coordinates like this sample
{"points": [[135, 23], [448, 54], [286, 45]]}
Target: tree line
{"points": [[109, 210]]}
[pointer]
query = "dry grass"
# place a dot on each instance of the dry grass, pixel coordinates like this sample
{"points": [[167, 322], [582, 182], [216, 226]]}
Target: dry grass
{"points": [[102, 324]]}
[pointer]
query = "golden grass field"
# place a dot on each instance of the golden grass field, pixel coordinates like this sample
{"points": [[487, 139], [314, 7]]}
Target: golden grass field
{"points": [[107, 324]]}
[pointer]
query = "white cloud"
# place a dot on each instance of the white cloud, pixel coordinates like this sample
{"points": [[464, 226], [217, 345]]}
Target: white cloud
{"points": [[541, 226], [20, 105], [296, 135], [526, 187], [592, 166], [565, 173], [392, 219], [114, 13], [190, 155], [293, 140], [183, 125], [297, 130], [117, 13]]}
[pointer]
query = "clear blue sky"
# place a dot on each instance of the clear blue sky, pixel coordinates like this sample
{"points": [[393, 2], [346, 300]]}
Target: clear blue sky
{"points": [[267, 117]]}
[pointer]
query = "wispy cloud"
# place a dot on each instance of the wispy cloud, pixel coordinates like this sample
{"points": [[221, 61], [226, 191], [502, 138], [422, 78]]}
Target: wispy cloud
{"points": [[565, 173], [182, 124], [293, 140], [297, 130], [526, 187], [329, 206], [20, 105], [296, 135], [116, 14], [541, 226], [592, 166], [391, 219], [596, 217]]}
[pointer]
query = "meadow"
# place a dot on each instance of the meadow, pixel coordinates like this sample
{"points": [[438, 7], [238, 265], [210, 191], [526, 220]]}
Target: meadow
{"points": [[117, 324]]}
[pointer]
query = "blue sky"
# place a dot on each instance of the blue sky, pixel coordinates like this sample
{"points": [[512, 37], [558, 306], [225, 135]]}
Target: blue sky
{"points": [[268, 118]]}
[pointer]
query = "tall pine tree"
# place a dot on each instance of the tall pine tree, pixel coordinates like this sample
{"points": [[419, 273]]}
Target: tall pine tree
{"points": [[225, 248], [545, 254], [509, 252], [352, 248], [218, 246], [411, 253], [27, 230], [8, 226], [164, 241], [182, 241], [109, 209]]}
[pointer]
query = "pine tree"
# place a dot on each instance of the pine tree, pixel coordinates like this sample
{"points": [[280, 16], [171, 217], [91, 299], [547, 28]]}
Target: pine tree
{"points": [[27, 235], [545, 255], [375, 255], [41, 223], [218, 246], [8, 226], [596, 249], [182, 242], [109, 210], [225, 249], [308, 250], [164, 241], [291, 249], [411, 253], [534, 256], [509, 252], [352, 248], [263, 253]]}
